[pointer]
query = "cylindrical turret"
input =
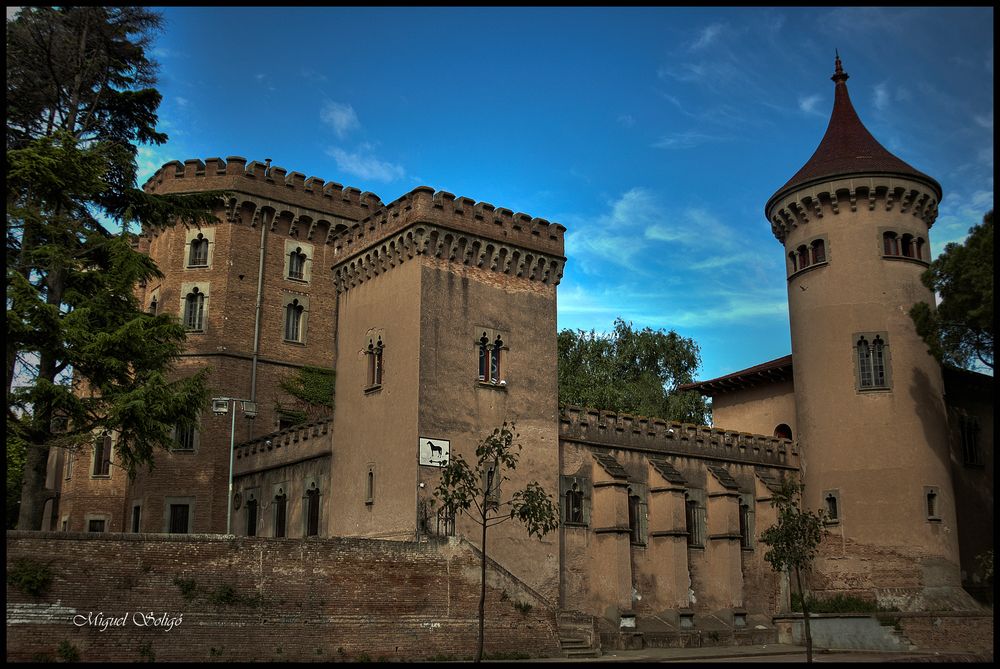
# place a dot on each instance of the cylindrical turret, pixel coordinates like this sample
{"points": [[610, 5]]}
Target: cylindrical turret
{"points": [[870, 408]]}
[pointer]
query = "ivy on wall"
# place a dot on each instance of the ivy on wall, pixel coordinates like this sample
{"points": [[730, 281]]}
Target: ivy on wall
{"points": [[313, 388]]}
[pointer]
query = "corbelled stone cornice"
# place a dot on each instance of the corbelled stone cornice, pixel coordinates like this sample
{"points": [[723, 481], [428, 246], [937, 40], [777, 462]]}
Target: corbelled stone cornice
{"points": [[815, 201]]}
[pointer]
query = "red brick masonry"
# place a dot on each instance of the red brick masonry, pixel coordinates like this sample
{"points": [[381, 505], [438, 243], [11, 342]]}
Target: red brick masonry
{"points": [[323, 599]]}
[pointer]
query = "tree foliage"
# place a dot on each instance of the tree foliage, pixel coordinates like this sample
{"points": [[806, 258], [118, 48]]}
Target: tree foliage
{"points": [[313, 389], [631, 371], [960, 331], [476, 490], [82, 357], [793, 541]]}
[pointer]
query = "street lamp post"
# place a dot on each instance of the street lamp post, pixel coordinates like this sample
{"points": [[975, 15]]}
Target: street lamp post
{"points": [[220, 407]]}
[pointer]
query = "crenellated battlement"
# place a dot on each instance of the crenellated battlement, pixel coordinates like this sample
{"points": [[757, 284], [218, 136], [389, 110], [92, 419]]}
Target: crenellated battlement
{"points": [[460, 214], [280, 448], [799, 207], [620, 430], [264, 180]]}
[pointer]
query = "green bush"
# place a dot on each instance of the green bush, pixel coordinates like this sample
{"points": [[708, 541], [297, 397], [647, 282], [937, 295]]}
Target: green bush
{"points": [[30, 576], [67, 652], [839, 604]]}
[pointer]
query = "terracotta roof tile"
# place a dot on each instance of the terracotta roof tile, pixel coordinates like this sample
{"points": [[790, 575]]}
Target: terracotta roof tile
{"points": [[848, 148]]}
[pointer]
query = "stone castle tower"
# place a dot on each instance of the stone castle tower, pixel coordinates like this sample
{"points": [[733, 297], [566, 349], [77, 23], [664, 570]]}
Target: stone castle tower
{"points": [[869, 399]]}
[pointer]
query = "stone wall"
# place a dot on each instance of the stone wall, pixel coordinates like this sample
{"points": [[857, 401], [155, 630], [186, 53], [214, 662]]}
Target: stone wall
{"points": [[253, 599]]}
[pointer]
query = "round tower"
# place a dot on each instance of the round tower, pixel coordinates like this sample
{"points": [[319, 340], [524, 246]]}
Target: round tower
{"points": [[854, 223]]}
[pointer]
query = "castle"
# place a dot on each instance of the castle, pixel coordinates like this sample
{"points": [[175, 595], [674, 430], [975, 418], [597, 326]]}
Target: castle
{"points": [[438, 314]]}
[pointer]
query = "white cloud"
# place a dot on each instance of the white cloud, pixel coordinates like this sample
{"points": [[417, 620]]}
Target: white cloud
{"points": [[341, 117], [707, 36], [685, 140], [984, 120], [626, 120], [365, 165], [881, 92], [808, 104], [12, 12], [181, 102]]}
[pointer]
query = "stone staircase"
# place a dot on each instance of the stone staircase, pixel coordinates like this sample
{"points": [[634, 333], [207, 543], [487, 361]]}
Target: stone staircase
{"points": [[577, 636]]}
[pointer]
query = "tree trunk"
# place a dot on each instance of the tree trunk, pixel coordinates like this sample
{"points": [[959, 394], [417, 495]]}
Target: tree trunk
{"points": [[482, 593], [33, 492], [805, 616]]}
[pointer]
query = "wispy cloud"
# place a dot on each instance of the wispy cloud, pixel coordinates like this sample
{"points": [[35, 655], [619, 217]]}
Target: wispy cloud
{"points": [[686, 140], [341, 117], [364, 164], [809, 103], [707, 36], [264, 80], [626, 120], [984, 120], [881, 93]]}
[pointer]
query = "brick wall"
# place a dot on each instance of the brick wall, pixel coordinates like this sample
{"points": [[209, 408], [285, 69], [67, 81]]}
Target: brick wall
{"points": [[950, 631], [323, 599]]}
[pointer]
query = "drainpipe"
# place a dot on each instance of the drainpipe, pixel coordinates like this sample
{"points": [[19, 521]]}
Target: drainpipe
{"points": [[259, 307]]}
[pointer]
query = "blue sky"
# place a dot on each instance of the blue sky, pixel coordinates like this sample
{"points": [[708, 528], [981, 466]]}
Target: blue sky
{"points": [[655, 135]]}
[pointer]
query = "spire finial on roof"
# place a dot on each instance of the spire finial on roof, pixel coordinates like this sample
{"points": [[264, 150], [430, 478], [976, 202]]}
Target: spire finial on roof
{"points": [[839, 76]]}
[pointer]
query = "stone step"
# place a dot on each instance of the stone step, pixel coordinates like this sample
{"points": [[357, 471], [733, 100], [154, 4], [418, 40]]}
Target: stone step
{"points": [[582, 652]]}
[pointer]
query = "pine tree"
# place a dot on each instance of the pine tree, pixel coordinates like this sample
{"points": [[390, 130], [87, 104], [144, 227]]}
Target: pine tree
{"points": [[82, 357]]}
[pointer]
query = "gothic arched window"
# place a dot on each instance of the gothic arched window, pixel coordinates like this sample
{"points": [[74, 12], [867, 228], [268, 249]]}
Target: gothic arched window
{"points": [[293, 321], [199, 252], [296, 264], [194, 311]]}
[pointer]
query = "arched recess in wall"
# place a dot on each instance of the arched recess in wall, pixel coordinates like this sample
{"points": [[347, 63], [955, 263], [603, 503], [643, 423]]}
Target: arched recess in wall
{"points": [[782, 431]]}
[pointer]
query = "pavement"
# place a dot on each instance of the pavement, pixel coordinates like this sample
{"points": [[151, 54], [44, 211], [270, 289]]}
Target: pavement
{"points": [[769, 653]]}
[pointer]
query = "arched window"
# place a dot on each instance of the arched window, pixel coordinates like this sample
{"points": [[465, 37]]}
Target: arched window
{"points": [[280, 507], [251, 517], [793, 259], [918, 249], [865, 362], [370, 485], [890, 244], [782, 431], [746, 533], [199, 252], [574, 505], [803, 256], [932, 510], [691, 523], [194, 311], [495, 370], [293, 321], [633, 517], [832, 512], [312, 512], [818, 251], [906, 246], [484, 357], [374, 353], [871, 362], [491, 485], [102, 455], [296, 264], [878, 361], [152, 306]]}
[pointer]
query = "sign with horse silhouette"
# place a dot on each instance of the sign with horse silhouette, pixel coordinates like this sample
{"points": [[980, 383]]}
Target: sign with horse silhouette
{"points": [[434, 452]]}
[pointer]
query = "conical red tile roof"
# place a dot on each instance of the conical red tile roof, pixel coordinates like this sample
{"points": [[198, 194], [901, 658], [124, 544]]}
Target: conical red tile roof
{"points": [[848, 148]]}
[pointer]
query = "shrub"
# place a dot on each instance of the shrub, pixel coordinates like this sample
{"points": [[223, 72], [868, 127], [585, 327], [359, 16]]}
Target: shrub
{"points": [[30, 576]]}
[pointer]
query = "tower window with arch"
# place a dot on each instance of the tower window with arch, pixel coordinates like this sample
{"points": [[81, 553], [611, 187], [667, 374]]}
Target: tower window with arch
{"points": [[297, 264], [871, 361], [491, 346], [374, 353], [574, 505], [782, 431], [312, 510], [293, 321], [932, 502], [831, 502], [890, 244], [280, 505], [811, 253], [194, 311], [102, 455], [198, 255]]}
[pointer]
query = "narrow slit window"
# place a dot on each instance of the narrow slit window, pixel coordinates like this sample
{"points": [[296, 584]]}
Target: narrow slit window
{"points": [[691, 522], [495, 367], [932, 504], [484, 357], [280, 508], [865, 363], [574, 505], [746, 533], [832, 511], [635, 533], [370, 486], [312, 512], [251, 517]]}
